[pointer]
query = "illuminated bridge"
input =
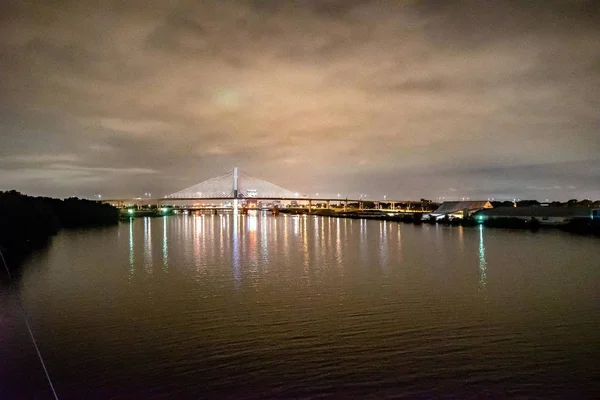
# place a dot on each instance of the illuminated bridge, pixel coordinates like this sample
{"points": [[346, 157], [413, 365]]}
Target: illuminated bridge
{"points": [[237, 186], [234, 185]]}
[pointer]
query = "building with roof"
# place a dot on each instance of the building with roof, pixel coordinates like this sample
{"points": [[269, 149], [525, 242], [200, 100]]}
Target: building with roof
{"points": [[460, 209], [544, 215]]}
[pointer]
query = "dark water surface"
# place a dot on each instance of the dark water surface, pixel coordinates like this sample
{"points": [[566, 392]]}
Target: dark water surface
{"points": [[306, 307]]}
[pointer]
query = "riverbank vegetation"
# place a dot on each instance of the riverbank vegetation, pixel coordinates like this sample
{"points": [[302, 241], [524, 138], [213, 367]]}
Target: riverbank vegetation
{"points": [[28, 222]]}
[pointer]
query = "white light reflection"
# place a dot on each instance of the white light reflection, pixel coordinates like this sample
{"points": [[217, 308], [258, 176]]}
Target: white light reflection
{"points": [[165, 247], [131, 252], [235, 248], [196, 233], [363, 242], [296, 224], [305, 255], [236, 209], [338, 244], [275, 232], [399, 255], [264, 249], [224, 227], [251, 255], [383, 244], [286, 222], [148, 265], [252, 223], [482, 261]]}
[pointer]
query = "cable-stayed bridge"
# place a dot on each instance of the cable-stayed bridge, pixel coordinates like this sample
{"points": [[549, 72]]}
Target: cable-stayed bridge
{"points": [[234, 185], [239, 186]]}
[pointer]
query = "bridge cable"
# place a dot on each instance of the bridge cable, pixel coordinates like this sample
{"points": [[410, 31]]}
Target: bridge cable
{"points": [[24, 313]]}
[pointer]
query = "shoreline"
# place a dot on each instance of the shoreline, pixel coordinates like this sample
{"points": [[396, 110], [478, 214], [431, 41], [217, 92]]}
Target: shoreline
{"points": [[579, 226]]}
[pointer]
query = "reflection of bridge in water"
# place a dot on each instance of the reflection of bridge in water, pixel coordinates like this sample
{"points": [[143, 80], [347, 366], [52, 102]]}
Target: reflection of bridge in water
{"points": [[238, 189]]}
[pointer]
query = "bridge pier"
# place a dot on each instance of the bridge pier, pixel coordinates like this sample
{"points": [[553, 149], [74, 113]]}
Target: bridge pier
{"points": [[310, 206], [328, 204]]}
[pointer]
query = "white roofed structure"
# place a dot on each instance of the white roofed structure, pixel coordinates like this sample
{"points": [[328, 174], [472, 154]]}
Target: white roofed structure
{"points": [[458, 207]]}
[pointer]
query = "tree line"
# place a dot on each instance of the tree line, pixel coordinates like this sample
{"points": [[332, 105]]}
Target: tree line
{"points": [[528, 203], [27, 222]]}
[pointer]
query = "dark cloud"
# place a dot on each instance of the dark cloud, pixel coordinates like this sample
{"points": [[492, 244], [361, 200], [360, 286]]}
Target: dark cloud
{"points": [[408, 99]]}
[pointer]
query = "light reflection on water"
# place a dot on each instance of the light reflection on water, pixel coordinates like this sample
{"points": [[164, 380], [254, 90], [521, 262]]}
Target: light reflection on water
{"points": [[338, 244], [235, 249], [482, 261], [165, 246], [131, 252], [383, 244], [148, 260], [299, 306]]}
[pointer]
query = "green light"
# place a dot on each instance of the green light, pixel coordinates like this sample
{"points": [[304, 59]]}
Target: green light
{"points": [[130, 211], [163, 209]]}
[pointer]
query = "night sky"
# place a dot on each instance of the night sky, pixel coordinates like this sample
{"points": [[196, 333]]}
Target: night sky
{"points": [[405, 98]]}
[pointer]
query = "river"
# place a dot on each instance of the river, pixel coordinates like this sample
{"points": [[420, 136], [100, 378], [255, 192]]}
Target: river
{"points": [[262, 306]]}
